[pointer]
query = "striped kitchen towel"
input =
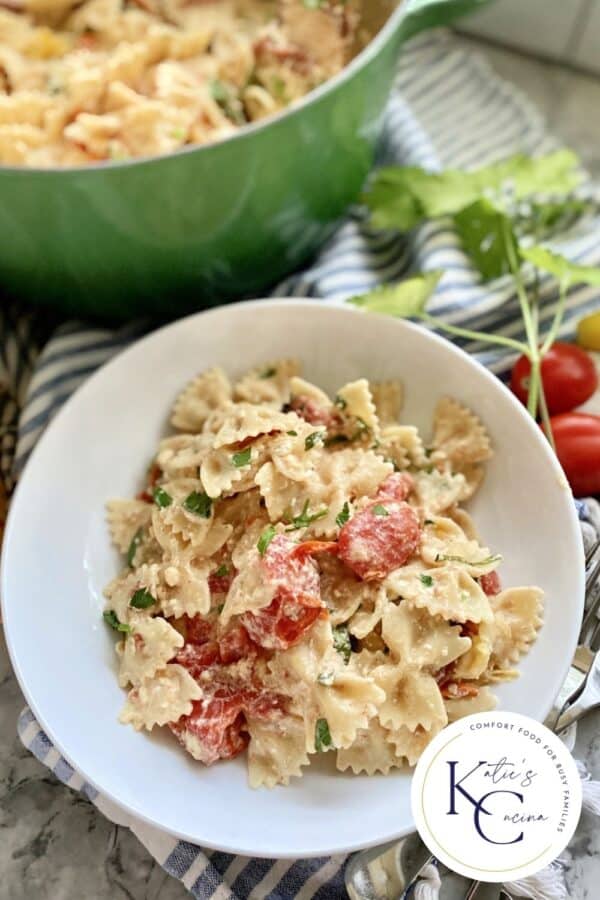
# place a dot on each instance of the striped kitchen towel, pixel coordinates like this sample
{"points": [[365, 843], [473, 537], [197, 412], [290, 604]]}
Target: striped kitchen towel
{"points": [[448, 109]]}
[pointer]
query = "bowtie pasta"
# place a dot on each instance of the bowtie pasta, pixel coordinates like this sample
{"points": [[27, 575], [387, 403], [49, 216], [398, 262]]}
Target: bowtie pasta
{"points": [[113, 79], [301, 578]]}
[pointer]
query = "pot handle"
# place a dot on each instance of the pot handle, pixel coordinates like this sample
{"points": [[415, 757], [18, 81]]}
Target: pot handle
{"points": [[423, 14]]}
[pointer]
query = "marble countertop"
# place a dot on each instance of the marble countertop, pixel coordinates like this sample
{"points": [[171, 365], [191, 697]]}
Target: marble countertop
{"points": [[56, 846]]}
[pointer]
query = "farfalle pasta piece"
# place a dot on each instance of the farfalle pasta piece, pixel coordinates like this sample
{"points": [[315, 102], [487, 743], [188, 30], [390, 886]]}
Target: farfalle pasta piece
{"points": [[454, 595], [417, 639], [483, 701], [228, 470], [245, 420], [460, 434], [186, 526], [387, 397], [403, 445], [249, 591], [443, 541], [412, 698], [342, 591], [437, 491], [276, 752], [356, 401], [181, 455], [148, 648], [409, 745], [209, 391], [517, 619], [184, 589], [370, 752], [164, 698], [125, 519], [369, 615], [475, 661], [268, 383], [347, 705]]}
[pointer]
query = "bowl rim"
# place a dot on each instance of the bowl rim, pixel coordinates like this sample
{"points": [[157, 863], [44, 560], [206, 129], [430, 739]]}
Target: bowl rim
{"points": [[362, 59], [571, 627]]}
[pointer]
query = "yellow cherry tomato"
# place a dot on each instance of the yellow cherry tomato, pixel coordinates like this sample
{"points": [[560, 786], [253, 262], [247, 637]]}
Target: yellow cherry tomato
{"points": [[588, 332]]}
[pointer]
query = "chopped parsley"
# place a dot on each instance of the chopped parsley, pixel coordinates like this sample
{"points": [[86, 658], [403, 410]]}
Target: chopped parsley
{"points": [[219, 608], [326, 678], [110, 617], [227, 100], [427, 580], [428, 522], [265, 539], [362, 429], [292, 433], [316, 437], [340, 402], [305, 518], [269, 373], [341, 642], [142, 599], [322, 736], [136, 540], [343, 515], [442, 557], [380, 510], [242, 458], [221, 572], [199, 504], [161, 498]]}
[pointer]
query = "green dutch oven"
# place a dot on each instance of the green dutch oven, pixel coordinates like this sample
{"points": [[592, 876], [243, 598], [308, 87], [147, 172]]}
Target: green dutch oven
{"points": [[166, 235]]}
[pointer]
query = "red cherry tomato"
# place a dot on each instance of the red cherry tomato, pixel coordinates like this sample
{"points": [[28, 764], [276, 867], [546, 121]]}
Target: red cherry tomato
{"points": [[577, 439], [568, 373]]}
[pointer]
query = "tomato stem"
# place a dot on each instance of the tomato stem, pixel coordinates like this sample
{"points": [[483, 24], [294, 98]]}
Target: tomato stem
{"points": [[475, 335], [545, 416]]}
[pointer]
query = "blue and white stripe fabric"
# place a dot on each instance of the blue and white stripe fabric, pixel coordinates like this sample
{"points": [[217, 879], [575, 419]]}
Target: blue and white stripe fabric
{"points": [[449, 109]]}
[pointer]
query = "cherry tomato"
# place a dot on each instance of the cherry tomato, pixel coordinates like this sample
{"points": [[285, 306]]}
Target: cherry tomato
{"points": [[588, 332], [568, 373], [577, 439]]}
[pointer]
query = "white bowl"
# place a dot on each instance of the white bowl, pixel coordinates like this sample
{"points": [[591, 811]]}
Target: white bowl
{"points": [[57, 558]]}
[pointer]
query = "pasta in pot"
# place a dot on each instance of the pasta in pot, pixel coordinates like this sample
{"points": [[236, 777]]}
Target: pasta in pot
{"points": [[301, 579], [82, 82]]}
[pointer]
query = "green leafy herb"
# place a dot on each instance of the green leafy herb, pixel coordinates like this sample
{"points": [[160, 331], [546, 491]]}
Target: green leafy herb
{"points": [[269, 373], [341, 642], [566, 272], [142, 599], [380, 510], [305, 518], [404, 197], [428, 522], [242, 458], [110, 617], [292, 433], [265, 539], [316, 437], [340, 402], [442, 557], [161, 498], [405, 299], [219, 608], [427, 580], [136, 540], [343, 516], [483, 230], [323, 740], [221, 572], [326, 678], [199, 504]]}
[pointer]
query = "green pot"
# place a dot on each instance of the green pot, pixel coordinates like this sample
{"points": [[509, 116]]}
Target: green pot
{"points": [[170, 234]]}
